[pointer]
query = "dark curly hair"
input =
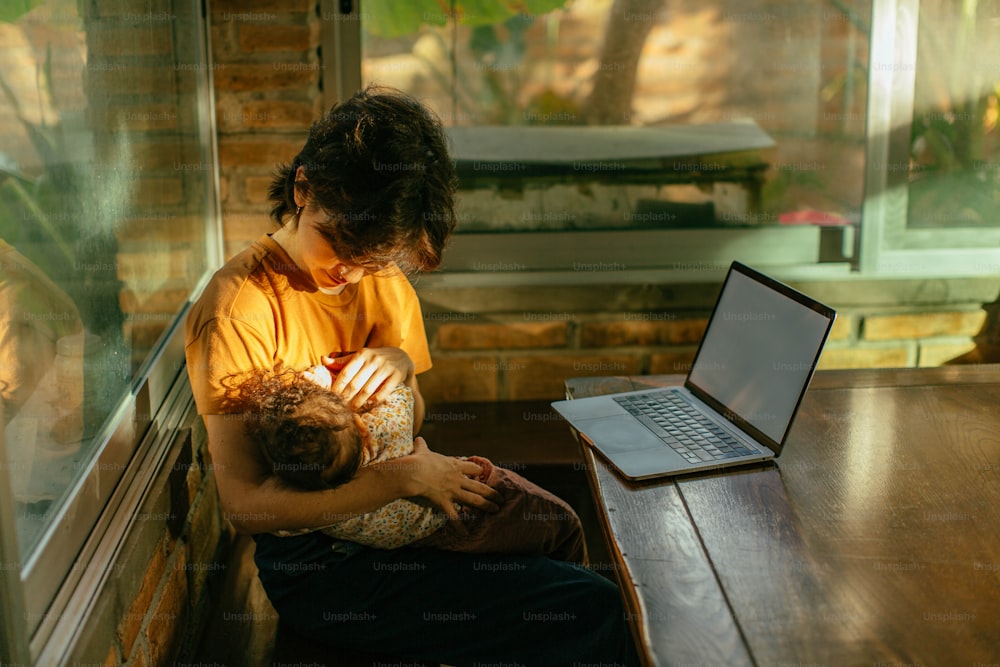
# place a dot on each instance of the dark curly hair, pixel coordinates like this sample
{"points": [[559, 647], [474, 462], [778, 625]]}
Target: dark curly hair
{"points": [[378, 164], [306, 433]]}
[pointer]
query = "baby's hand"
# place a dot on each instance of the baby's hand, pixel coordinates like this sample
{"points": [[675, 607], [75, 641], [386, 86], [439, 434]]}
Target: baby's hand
{"points": [[321, 375]]}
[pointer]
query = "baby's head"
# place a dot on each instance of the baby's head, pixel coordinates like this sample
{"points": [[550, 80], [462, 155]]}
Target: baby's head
{"points": [[307, 434]]}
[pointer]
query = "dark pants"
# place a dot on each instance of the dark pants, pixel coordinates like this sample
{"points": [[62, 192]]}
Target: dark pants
{"points": [[460, 609]]}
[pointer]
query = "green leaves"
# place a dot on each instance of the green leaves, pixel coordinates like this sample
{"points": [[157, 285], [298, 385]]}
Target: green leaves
{"points": [[390, 18], [11, 10]]}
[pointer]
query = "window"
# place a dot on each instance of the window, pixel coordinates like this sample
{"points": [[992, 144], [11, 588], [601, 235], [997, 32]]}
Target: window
{"points": [[107, 192], [934, 185], [631, 135]]}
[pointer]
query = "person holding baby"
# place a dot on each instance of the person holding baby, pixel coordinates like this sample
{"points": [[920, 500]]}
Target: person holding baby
{"points": [[367, 202]]}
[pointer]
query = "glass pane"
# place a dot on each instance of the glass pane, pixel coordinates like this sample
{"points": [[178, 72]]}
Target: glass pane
{"points": [[954, 143], [104, 193], [640, 114]]}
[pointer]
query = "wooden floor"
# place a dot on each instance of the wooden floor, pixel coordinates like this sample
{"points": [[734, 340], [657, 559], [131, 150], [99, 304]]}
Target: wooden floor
{"points": [[244, 628]]}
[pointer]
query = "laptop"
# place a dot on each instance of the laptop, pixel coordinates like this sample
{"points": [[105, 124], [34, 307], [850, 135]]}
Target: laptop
{"points": [[739, 399]]}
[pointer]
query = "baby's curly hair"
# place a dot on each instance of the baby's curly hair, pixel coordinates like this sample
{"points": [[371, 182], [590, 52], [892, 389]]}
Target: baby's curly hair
{"points": [[306, 433]]}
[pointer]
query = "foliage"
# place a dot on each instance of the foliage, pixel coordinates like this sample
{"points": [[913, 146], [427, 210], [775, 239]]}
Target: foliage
{"points": [[11, 10], [954, 178], [391, 18]]}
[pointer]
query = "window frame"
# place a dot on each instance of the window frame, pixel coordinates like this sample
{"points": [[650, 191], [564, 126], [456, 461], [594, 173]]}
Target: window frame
{"points": [[48, 595], [868, 246], [886, 245]]}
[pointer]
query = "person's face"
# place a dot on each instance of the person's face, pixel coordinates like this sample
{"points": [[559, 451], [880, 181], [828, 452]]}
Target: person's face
{"points": [[315, 256], [318, 259]]}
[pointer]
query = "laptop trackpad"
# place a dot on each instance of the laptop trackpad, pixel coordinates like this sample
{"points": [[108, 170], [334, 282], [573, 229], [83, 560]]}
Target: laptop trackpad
{"points": [[620, 433]]}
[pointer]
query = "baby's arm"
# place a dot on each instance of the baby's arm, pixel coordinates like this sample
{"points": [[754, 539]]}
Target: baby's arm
{"points": [[402, 521]]}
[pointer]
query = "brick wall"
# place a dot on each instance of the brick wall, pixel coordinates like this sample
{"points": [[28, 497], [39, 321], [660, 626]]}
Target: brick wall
{"points": [[485, 348], [497, 344], [268, 80], [157, 598], [267, 93]]}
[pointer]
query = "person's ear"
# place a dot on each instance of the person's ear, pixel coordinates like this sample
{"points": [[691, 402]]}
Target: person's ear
{"points": [[301, 192]]}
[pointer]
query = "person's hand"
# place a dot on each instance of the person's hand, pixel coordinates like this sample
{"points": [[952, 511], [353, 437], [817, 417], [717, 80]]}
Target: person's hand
{"points": [[321, 375], [370, 374], [446, 481]]}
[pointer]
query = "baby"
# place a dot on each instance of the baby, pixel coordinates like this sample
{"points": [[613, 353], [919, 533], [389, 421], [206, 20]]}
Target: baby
{"points": [[311, 439]]}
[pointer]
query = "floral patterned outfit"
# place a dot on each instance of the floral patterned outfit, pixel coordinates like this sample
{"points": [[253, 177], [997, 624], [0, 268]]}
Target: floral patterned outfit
{"points": [[530, 521]]}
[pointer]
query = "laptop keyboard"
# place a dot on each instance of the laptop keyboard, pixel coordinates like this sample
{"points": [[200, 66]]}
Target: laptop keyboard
{"points": [[690, 433]]}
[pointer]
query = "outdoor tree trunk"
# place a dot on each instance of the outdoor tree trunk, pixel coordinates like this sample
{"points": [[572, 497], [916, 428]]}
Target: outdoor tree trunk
{"points": [[610, 101]]}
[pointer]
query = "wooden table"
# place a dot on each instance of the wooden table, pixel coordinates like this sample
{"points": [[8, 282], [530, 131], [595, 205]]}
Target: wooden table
{"points": [[874, 540]]}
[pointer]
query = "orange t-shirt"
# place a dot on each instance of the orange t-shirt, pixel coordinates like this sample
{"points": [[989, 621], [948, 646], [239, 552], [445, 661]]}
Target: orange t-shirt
{"points": [[261, 309]]}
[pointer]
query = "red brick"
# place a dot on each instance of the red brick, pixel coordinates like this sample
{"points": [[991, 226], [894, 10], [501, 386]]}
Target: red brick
{"points": [[128, 628], [461, 379], [922, 325], [256, 188], [143, 117], [228, 113], [146, 39], [167, 262], [642, 332], [159, 192], [256, 152], [852, 357], [278, 114], [937, 354], [246, 78], [224, 41], [112, 659], [206, 525], [246, 226], [232, 246], [140, 656], [500, 336], [543, 376], [842, 327], [166, 622], [176, 232], [167, 156], [669, 363], [133, 80], [274, 37]]}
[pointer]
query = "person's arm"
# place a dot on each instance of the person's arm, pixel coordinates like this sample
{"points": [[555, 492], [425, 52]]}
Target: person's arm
{"points": [[255, 501], [418, 405]]}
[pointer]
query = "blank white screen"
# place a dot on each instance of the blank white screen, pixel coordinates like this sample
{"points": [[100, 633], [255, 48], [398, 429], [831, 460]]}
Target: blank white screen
{"points": [[758, 352]]}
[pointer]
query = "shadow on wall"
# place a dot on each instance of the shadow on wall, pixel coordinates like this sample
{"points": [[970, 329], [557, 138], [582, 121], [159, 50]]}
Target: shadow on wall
{"points": [[987, 350]]}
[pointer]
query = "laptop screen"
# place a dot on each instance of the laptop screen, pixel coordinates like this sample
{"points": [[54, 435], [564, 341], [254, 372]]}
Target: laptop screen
{"points": [[759, 351]]}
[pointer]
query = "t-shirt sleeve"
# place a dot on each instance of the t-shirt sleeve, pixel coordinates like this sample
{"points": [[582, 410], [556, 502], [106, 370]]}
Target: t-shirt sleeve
{"points": [[220, 349]]}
